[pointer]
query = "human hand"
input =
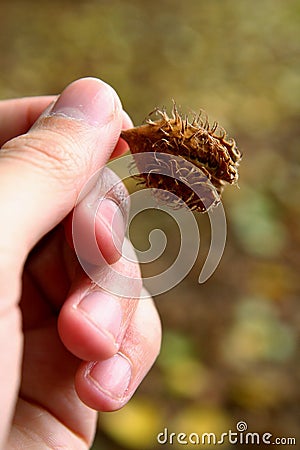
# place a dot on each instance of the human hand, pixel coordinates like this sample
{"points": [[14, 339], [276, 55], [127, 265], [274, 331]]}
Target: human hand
{"points": [[105, 344]]}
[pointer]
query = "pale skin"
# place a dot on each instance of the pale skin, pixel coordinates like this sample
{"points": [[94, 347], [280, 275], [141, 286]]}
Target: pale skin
{"points": [[64, 354]]}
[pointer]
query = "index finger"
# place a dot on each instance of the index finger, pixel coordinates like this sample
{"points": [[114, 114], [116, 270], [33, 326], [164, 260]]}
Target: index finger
{"points": [[18, 115]]}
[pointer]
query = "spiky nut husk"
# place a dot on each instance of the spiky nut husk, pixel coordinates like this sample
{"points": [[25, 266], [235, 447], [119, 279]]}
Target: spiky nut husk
{"points": [[190, 159]]}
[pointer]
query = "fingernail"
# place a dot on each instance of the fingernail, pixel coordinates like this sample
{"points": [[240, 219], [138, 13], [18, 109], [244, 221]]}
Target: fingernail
{"points": [[112, 376], [111, 216], [103, 311], [88, 99]]}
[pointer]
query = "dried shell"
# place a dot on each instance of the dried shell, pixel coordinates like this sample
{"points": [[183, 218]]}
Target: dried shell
{"points": [[190, 159]]}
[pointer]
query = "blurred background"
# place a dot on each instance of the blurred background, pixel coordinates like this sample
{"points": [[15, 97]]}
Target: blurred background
{"points": [[231, 346]]}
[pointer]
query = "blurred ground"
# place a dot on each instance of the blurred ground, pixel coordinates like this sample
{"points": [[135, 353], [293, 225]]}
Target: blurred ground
{"points": [[231, 346]]}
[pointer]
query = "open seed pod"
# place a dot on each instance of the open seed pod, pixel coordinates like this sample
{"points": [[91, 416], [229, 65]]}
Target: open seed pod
{"points": [[190, 159]]}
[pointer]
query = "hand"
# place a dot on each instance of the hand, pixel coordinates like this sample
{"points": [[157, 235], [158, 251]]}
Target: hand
{"points": [[50, 380]]}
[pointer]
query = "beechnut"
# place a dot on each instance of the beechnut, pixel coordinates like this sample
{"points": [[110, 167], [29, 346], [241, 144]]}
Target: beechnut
{"points": [[185, 161]]}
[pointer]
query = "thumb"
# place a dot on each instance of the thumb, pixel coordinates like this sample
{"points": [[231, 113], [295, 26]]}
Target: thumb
{"points": [[43, 171], [41, 175]]}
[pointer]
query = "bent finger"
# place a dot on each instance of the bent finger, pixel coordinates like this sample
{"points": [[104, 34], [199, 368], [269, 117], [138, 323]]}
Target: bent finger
{"points": [[108, 385], [95, 317], [96, 228]]}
